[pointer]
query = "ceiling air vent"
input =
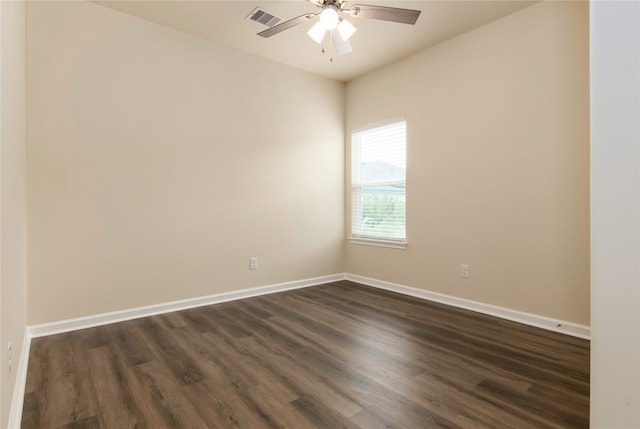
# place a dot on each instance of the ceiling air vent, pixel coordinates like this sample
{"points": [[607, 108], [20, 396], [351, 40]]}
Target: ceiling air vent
{"points": [[264, 18]]}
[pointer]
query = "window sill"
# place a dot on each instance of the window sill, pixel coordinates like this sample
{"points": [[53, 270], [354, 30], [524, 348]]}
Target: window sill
{"points": [[393, 244]]}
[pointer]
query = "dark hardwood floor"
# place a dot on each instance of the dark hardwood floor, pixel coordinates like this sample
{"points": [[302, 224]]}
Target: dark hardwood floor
{"points": [[339, 355]]}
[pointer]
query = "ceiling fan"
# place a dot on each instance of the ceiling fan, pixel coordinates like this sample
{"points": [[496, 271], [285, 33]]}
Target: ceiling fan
{"points": [[339, 29]]}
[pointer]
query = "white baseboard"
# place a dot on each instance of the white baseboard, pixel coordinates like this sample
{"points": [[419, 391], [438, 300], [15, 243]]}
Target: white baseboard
{"points": [[135, 313], [15, 413], [555, 325], [561, 326]]}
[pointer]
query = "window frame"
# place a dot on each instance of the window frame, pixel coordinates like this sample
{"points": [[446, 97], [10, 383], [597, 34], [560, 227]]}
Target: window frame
{"points": [[355, 188]]}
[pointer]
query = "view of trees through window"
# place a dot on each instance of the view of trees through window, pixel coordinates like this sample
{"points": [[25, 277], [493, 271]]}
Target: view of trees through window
{"points": [[383, 212]]}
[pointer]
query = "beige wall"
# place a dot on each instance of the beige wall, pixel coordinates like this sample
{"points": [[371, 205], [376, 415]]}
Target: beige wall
{"points": [[158, 163], [13, 196], [498, 163]]}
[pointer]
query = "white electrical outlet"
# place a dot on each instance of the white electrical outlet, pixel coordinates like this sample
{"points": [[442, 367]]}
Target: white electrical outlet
{"points": [[9, 357], [464, 271], [253, 263]]}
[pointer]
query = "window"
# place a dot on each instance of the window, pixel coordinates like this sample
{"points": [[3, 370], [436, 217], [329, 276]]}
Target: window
{"points": [[378, 184]]}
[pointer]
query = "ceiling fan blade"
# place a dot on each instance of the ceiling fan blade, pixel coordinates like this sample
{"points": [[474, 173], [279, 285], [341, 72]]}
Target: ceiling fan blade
{"points": [[287, 25], [384, 13], [343, 47]]}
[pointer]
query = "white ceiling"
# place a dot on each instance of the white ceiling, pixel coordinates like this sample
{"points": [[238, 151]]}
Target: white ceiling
{"points": [[375, 44]]}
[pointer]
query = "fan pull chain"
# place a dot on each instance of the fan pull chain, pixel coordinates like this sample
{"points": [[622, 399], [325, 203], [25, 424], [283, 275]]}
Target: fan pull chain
{"points": [[331, 46]]}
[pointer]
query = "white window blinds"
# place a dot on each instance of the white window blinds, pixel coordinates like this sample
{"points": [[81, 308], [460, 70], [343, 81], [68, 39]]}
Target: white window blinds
{"points": [[378, 182]]}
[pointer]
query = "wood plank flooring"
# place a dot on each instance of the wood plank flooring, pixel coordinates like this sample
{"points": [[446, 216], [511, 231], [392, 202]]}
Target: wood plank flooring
{"points": [[339, 355]]}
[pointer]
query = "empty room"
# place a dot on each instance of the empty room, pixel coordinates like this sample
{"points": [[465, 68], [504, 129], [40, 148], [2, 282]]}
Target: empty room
{"points": [[319, 214]]}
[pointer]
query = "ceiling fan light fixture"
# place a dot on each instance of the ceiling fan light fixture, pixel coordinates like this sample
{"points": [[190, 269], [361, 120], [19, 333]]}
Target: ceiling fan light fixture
{"points": [[317, 32], [329, 20], [329, 17], [346, 29]]}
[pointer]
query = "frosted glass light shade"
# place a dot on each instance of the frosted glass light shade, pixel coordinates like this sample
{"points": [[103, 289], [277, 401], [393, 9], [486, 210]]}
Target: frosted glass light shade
{"points": [[317, 32], [346, 29]]}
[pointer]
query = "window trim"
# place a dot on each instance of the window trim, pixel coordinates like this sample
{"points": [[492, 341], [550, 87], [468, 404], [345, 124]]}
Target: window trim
{"points": [[379, 242], [393, 243]]}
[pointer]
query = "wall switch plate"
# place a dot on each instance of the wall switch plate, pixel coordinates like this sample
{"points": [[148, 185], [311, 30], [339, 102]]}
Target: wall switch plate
{"points": [[253, 263], [464, 271]]}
